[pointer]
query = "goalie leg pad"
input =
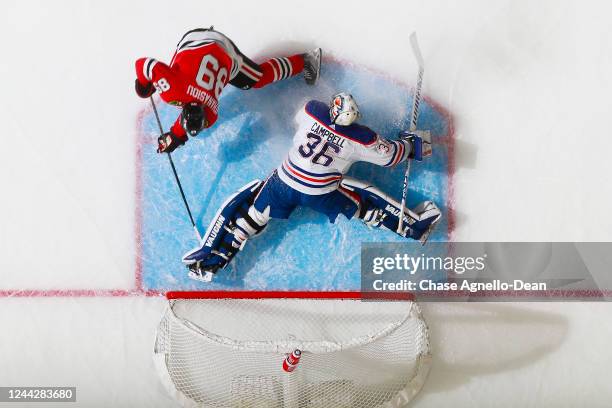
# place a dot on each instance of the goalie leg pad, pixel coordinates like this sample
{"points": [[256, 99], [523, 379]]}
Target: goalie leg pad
{"points": [[223, 223], [233, 238], [379, 210]]}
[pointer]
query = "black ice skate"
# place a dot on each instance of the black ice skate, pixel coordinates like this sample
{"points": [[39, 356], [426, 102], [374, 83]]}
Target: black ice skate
{"points": [[312, 66]]}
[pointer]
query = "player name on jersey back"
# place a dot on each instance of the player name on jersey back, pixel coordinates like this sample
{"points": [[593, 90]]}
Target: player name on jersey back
{"points": [[330, 136], [204, 97]]}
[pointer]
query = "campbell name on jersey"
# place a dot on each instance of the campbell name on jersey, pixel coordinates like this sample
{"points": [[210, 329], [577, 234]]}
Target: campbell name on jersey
{"points": [[323, 152]]}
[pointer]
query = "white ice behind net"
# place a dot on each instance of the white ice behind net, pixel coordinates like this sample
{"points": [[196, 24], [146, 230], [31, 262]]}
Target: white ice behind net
{"points": [[229, 352]]}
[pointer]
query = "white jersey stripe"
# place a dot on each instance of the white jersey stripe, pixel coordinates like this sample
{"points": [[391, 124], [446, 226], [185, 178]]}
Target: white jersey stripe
{"points": [[310, 177], [195, 44], [148, 68], [253, 72], [274, 69], [287, 66], [281, 69], [194, 47], [247, 73], [145, 71], [400, 156]]}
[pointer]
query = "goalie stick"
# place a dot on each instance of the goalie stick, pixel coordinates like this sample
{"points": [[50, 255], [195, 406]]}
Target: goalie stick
{"points": [[413, 120], [176, 177]]}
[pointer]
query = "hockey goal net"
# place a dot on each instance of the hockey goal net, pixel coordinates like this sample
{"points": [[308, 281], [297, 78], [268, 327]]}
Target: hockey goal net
{"points": [[226, 349]]}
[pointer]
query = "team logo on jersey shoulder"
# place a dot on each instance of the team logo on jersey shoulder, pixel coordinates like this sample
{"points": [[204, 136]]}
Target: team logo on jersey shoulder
{"points": [[383, 147]]}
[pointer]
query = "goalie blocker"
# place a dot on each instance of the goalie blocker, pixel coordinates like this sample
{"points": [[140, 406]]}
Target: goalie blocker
{"points": [[239, 219]]}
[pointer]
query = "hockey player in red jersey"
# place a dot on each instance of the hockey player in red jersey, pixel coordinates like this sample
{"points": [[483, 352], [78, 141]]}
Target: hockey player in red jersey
{"points": [[204, 62]]}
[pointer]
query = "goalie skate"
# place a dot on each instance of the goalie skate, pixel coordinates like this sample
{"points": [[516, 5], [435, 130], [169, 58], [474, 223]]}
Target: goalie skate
{"points": [[199, 273], [424, 223], [427, 211], [425, 236]]}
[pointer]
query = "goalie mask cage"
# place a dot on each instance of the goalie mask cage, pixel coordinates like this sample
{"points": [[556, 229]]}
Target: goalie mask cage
{"points": [[226, 349]]}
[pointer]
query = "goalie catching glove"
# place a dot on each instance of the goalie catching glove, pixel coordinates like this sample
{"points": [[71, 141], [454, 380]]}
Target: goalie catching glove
{"points": [[420, 143]]}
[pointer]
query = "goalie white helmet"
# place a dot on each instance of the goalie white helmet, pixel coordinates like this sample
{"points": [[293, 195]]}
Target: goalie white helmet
{"points": [[343, 109]]}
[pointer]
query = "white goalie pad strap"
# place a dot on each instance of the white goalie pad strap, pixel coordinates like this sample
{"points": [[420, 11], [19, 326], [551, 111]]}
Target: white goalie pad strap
{"points": [[374, 217], [147, 68], [247, 230]]}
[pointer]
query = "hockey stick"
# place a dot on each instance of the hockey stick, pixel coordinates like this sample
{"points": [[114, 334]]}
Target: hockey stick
{"points": [[413, 121], [176, 177]]}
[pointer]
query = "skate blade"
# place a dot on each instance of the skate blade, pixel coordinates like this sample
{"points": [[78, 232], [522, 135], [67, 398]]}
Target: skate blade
{"points": [[317, 64], [319, 56]]}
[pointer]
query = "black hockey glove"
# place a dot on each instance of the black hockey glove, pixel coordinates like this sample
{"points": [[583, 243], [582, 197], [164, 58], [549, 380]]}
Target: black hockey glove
{"points": [[416, 144], [144, 91], [168, 142]]}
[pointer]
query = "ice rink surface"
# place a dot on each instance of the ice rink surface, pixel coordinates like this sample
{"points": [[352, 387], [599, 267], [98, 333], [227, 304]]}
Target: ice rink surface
{"points": [[526, 83], [251, 138]]}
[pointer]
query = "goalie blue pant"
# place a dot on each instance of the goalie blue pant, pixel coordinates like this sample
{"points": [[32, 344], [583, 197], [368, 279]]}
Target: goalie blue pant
{"points": [[282, 200]]}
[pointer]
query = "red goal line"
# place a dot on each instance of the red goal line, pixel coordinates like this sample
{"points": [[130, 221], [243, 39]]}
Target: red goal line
{"points": [[349, 295]]}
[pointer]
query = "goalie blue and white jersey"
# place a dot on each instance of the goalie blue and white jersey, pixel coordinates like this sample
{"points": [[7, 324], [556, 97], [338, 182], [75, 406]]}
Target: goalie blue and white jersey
{"points": [[322, 152]]}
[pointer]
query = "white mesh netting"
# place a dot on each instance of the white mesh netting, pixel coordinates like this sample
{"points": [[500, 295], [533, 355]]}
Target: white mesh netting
{"points": [[229, 352]]}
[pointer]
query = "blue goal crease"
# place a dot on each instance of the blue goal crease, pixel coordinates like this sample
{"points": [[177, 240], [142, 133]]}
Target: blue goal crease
{"points": [[251, 137]]}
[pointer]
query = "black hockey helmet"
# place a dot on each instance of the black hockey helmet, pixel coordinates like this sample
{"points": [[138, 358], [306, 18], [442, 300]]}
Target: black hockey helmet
{"points": [[193, 118]]}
